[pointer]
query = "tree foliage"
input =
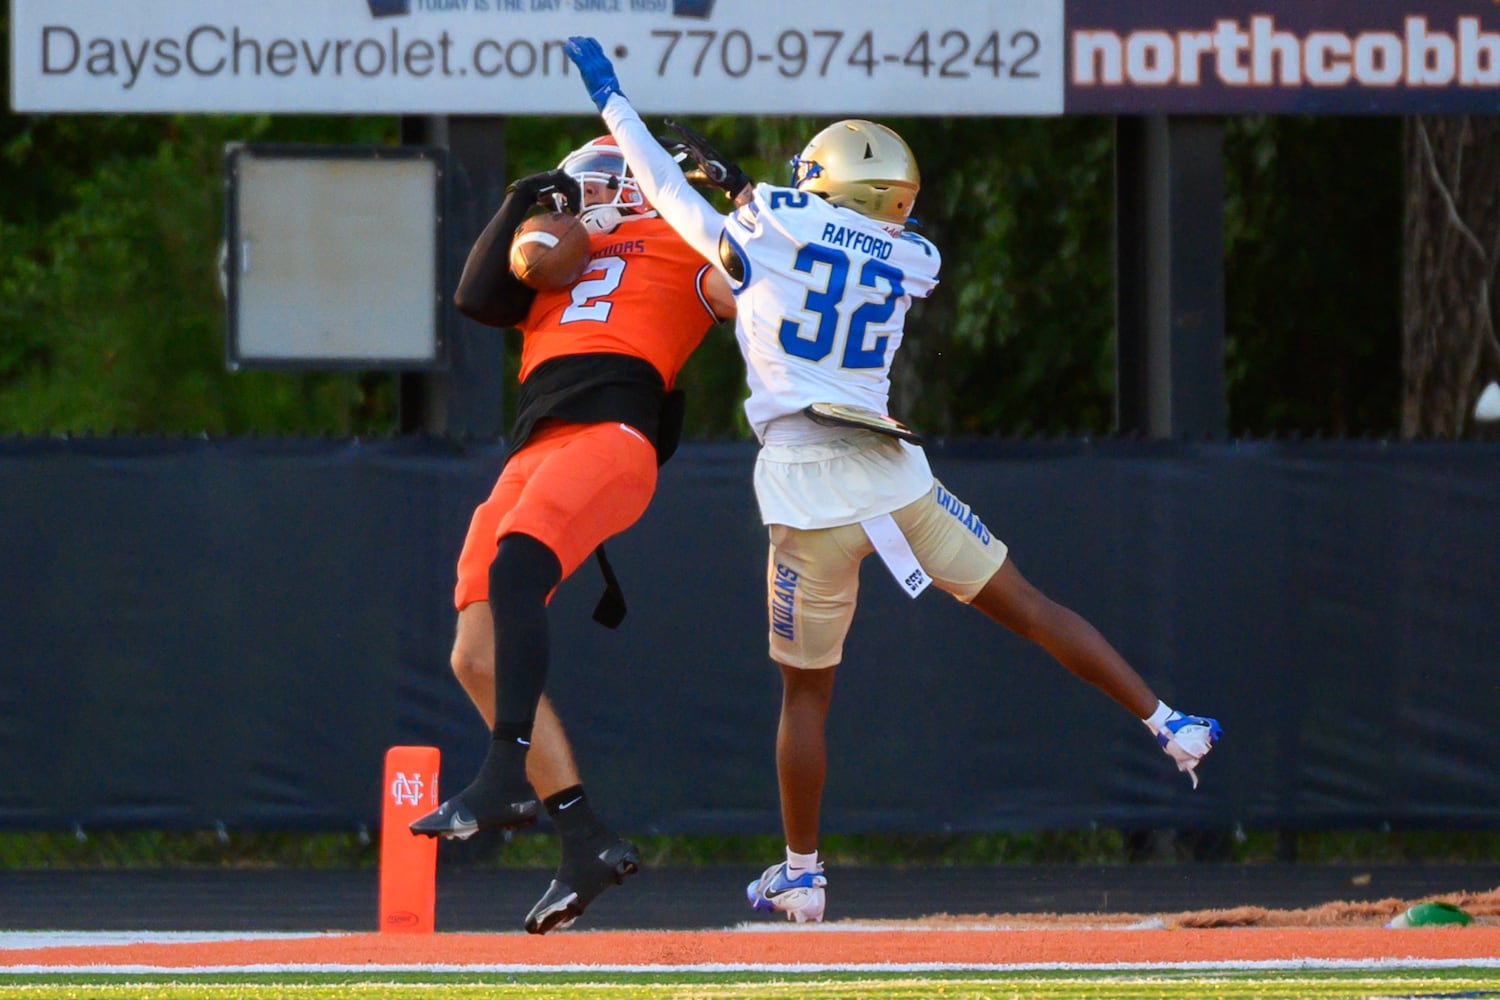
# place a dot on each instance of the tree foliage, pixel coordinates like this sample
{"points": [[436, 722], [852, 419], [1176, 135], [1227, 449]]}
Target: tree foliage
{"points": [[1313, 256], [1452, 222], [109, 285], [1019, 338], [112, 319]]}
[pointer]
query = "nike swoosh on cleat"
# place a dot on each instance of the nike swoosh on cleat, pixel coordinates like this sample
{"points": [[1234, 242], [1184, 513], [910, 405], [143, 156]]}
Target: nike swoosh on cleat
{"points": [[555, 916], [561, 904], [771, 892]]}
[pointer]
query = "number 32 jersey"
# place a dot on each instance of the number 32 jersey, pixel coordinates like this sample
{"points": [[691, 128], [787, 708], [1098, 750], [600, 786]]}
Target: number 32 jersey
{"points": [[822, 303]]}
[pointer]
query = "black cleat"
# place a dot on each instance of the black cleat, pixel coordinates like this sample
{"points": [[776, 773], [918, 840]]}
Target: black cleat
{"points": [[579, 884], [453, 821]]}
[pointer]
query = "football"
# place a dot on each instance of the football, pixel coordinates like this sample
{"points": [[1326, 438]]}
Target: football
{"points": [[550, 250]]}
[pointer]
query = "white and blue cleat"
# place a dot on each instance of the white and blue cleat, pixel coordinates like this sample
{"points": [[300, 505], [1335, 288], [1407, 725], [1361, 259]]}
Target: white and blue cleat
{"points": [[800, 898]]}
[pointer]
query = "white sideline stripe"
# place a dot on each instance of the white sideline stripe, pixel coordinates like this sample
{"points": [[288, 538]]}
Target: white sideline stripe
{"points": [[989, 926], [1278, 965], [11, 940]]}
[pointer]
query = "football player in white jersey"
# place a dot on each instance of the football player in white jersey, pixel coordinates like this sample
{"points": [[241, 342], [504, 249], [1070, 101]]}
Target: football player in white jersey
{"points": [[824, 271]]}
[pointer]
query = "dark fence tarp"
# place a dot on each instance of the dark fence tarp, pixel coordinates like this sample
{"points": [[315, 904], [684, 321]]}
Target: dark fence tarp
{"points": [[196, 632]]}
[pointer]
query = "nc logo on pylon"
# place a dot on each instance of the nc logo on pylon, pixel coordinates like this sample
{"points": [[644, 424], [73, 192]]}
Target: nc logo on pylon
{"points": [[406, 790]]}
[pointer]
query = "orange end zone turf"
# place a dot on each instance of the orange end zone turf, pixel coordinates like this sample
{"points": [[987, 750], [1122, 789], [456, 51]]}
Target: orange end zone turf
{"points": [[800, 947]]}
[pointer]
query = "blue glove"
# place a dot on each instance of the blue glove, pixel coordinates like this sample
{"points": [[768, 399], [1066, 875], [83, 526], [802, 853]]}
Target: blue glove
{"points": [[594, 66]]}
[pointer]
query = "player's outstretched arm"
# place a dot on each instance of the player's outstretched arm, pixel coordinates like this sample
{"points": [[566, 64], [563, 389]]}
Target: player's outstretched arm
{"points": [[657, 173]]}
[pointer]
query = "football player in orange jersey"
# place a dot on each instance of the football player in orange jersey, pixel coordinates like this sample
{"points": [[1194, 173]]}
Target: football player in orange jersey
{"points": [[596, 415]]}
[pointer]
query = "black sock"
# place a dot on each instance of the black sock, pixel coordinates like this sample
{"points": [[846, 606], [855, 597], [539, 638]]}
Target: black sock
{"points": [[592, 853], [577, 826], [513, 732], [501, 781]]}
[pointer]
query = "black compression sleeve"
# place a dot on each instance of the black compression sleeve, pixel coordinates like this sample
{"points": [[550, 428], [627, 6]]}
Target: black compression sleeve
{"points": [[488, 292], [524, 572]]}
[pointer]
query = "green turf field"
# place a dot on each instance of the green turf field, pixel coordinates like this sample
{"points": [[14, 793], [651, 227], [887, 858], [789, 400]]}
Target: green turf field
{"points": [[1334, 984]]}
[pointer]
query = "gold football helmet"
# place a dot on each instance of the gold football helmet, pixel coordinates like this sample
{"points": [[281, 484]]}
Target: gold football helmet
{"points": [[863, 166]]}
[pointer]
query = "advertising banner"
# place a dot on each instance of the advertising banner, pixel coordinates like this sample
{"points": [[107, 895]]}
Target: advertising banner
{"points": [[1283, 57], [837, 57], [506, 56]]}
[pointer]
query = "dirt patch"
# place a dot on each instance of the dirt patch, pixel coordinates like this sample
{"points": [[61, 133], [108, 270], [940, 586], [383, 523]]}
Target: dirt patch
{"points": [[1484, 907]]}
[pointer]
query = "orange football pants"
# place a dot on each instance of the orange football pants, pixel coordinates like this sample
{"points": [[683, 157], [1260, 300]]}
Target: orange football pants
{"points": [[570, 487]]}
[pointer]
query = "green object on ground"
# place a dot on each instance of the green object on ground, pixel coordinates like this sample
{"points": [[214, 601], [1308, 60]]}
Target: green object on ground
{"points": [[1433, 914]]}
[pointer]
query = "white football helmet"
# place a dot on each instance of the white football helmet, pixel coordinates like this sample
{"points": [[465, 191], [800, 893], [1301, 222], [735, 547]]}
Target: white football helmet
{"points": [[600, 163], [862, 166]]}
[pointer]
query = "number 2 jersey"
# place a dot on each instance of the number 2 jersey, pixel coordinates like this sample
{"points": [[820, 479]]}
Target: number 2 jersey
{"points": [[606, 347], [641, 294]]}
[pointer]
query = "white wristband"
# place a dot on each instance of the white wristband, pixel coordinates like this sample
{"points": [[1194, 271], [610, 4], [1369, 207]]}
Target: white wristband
{"points": [[1158, 718]]}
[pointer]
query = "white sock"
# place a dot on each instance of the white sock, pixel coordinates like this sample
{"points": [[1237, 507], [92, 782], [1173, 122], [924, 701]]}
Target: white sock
{"points": [[796, 863], [1158, 718]]}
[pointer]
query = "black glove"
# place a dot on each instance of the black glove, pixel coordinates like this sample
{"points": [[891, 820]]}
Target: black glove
{"points": [[545, 187], [712, 166]]}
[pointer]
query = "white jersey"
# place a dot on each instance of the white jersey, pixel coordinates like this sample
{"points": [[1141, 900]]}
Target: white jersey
{"points": [[824, 302], [820, 305]]}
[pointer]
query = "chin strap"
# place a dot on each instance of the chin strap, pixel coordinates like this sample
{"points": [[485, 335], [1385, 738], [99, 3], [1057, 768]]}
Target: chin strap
{"points": [[602, 219], [608, 218]]}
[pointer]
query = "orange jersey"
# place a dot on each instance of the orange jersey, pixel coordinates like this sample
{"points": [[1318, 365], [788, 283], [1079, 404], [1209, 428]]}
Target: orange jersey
{"points": [[640, 295]]}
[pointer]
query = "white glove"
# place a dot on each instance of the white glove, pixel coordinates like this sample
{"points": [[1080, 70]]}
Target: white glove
{"points": [[1187, 739]]}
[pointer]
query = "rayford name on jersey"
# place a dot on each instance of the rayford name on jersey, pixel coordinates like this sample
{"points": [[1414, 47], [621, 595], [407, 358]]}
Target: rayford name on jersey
{"points": [[843, 236]]}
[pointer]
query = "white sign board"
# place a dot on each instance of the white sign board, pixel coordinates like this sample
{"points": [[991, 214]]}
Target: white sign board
{"points": [[957, 57], [333, 257]]}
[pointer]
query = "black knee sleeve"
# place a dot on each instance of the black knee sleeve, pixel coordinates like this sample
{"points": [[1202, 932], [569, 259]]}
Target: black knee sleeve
{"points": [[523, 568], [522, 574]]}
